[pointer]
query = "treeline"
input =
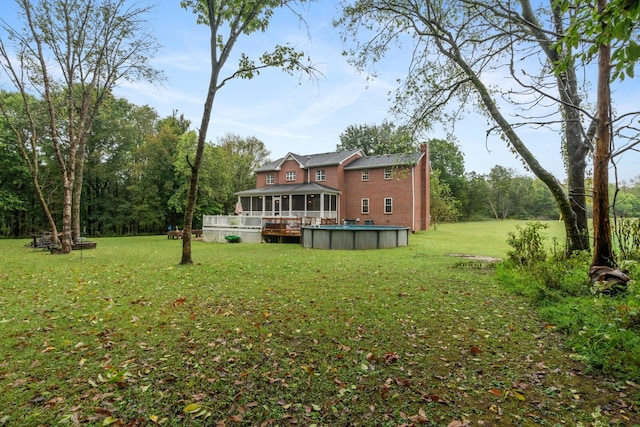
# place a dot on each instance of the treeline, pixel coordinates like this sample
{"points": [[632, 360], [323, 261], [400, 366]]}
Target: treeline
{"points": [[137, 168], [503, 193], [136, 174]]}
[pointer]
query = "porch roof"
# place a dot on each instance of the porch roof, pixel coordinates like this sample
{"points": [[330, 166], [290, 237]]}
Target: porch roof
{"points": [[310, 188]]}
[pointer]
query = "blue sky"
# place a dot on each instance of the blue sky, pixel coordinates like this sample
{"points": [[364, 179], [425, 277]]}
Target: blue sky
{"points": [[290, 114]]}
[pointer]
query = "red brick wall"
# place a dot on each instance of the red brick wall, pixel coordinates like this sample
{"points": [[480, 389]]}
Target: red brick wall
{"points": [[399, 188], [280, 176], [408, 189]]}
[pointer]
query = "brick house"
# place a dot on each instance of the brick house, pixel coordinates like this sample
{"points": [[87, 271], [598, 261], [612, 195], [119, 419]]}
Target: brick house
{"points": [[344, 186]]}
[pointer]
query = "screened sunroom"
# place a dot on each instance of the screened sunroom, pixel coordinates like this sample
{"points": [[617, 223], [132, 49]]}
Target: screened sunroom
{"points": [[292, 200]]}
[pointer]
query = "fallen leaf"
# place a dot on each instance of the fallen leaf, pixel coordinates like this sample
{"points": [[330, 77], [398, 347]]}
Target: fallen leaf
{"points": [[110, 420], [178, 302], [518, 396], [192, 408]]}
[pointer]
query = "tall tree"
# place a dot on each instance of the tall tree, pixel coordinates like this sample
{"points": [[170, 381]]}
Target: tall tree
{"points": [[502, 190], [607, 30], [455, 45], [154, 177], [228, 20], [386, 138], [477, 189], [446, 157], [118, 132], [72, 53], [244, 156], [444, 207], [25, 116], [14, 181]]}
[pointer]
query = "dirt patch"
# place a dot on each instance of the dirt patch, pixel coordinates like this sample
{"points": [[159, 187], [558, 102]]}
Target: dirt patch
{"points": [[477, 257]]}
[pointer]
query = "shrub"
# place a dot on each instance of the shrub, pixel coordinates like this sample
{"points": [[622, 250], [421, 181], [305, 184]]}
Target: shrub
{"points": [[627, 233], [603, 331], [528, 244]]}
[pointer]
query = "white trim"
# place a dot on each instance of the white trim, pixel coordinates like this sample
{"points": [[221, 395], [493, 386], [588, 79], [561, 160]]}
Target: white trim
{"points": [[384, 206], [413, 197]]}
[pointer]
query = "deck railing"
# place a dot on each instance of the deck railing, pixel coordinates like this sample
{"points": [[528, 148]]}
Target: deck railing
{"points": [[231, 221]]}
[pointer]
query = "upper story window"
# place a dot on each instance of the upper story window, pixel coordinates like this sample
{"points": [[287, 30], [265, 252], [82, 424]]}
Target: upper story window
{"points": [[290, 176], [365, 174], [388, 173], [365, 206], [388, 205], [321, 175], [270, 178]]}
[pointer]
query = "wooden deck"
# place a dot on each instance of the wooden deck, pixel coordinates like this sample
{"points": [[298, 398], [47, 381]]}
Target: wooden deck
{"points": [[281, 229]]}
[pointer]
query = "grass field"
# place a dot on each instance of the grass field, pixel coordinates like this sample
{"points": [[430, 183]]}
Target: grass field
{"points": [[268, 334]]}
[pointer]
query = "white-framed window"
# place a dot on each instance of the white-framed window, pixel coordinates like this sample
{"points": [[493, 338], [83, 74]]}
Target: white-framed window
{"points": [[388, 173], [290, 176], [270, 178], [365, 174], [365, 206], [388, 205], [321, 175]]}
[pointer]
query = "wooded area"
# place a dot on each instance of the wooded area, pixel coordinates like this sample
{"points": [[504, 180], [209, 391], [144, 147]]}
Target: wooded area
{"points": [[136, 179]]}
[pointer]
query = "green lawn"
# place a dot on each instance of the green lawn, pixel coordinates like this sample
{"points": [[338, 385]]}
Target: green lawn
{"points": [[268, 334]]}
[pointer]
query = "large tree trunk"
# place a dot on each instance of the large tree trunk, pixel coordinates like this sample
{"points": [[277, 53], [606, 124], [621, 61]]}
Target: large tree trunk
{"points": [[602, 247], [576, 147], [202, 135], [77, 190], [67, 198]]}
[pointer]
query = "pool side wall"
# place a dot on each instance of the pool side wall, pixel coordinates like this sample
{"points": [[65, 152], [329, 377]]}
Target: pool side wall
{"points": [[354, 237]]}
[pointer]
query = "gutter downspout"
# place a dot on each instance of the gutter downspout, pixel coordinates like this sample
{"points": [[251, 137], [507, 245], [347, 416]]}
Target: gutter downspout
{"points": [[413, 198]]}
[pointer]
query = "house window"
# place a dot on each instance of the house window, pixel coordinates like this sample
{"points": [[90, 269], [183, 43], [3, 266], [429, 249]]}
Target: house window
{"points": [[388, 173], [321, 175], [270, 179], [290, 176], [365, 206], [365, 174], [388, 205], [313, 202]]}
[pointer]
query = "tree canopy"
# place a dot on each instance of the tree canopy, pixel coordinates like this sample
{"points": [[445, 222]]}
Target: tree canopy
{"points": [[71, 54], [386, 138]]}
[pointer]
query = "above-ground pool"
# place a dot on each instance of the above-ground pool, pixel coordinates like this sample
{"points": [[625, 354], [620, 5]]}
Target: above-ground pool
{"points": [[354, 236]]}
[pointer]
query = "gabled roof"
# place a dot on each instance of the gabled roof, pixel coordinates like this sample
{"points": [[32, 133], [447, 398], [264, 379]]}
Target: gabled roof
{"points": [[385, 160], [313, 160], [311, 188]]}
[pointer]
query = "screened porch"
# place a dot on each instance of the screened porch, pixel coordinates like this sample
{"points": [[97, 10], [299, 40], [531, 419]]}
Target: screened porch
{"points": [[302, 201]]}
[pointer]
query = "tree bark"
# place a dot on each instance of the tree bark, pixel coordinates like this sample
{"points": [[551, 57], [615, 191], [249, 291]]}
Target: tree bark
{"points": [[576, 148], [602, 247], [202, 136]]}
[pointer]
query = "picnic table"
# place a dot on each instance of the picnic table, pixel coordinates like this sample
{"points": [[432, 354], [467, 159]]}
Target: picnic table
{"points": [[177, 234]]}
